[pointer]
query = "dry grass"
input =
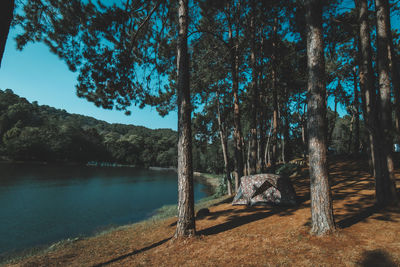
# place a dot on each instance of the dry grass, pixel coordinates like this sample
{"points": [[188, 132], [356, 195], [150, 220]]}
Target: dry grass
{"points": [[254, 236]]}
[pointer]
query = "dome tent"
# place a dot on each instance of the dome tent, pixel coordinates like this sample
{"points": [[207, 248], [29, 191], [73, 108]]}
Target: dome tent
{"points": [[261, 189]]}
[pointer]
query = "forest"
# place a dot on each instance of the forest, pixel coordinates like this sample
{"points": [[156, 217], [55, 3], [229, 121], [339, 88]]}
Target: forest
{"points": [[31, 132], [255, 84]]}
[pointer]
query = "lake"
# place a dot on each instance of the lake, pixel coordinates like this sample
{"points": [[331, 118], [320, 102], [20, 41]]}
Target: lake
{"points": [[42, 204]]}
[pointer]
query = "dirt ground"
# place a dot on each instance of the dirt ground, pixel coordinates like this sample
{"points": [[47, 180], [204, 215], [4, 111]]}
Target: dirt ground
{"points": [[255, 236]]}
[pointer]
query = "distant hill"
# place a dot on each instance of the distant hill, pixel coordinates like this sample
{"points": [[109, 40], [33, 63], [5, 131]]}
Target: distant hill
{"points": [[32, 132]]}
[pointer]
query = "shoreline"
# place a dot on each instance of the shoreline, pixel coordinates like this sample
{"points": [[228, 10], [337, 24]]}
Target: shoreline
{"points": [[162, 213]]}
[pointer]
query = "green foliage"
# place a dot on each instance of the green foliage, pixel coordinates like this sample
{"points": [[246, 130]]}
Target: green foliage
{"points": [[32, 132]]}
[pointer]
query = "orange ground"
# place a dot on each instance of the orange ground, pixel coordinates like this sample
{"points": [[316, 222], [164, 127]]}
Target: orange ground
{"points": [[255, 236]]}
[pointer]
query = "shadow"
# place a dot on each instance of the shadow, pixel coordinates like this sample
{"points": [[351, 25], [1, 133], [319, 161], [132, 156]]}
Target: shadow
{"points": [[132, 253], [356, 218], [225, 201], [377, 257], [237, 220], [353, 188]]}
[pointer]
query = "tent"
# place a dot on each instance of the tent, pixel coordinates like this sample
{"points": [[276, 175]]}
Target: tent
{"points": [[260, 189]]}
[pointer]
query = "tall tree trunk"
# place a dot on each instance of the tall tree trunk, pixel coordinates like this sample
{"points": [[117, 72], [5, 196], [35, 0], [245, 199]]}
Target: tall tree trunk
{"points": [[267, 155], [368, 93], [252, 167], [370, 99], [262, 118], [186, 223], [274, 98], [356, 105], [224, 144], [322, 221], [237, 133], [303, 131], [261, 151], [394, 69], [385, 188], [6, 15], [333, 123], [351, 133], [283, 148]]}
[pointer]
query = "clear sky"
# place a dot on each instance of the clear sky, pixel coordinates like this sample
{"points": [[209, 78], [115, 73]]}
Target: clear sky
{"points": [[39, 75]]}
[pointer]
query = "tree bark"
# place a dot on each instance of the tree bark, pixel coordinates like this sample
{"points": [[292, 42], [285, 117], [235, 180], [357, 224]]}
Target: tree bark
{"points": [[285, 128], [385, 188], [6, 15], [224, 144], [368, 94], [237, 133], [186, 222], [252, 168], [267, 155], [351, 133], [356, 105], [394, 69], [303, 131], [274, 139], [262, 118], [322, 221], [333, 122]]}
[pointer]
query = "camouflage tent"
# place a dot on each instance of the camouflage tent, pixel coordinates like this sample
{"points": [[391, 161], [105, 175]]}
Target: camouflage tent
{"points": [[261, 189]]}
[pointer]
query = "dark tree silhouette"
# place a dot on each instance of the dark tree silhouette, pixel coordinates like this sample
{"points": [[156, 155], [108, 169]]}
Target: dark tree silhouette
{"points": [[386, 184], [6, 15]]}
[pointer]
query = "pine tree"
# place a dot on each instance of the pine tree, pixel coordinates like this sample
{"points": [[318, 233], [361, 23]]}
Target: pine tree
{"points": [[322, 221]]}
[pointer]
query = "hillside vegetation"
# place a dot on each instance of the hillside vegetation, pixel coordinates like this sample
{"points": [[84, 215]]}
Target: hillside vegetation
{"points": [[32, 132]]}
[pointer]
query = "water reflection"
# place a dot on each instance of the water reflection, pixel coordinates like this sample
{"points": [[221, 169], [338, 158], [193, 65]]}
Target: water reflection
{"points": [[41, 204]]}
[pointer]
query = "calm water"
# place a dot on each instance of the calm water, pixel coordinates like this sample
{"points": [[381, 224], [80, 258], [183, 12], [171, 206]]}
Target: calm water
{"points": [[42, 204]]}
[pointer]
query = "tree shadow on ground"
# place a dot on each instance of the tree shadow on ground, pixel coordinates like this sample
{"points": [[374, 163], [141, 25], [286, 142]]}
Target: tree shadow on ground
{"points": [[353, 193], [132, 253], [237, 219], [352, 190], [378, 257]]}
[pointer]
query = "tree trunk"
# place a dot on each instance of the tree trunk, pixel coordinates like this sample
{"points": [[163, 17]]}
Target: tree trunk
{"points": [[385, 188], [267, 155], [274, 140], [6, 15], [224, 144], [252, 167], [261, 151], [186, 223], [303, 131], [368, 93], [356, 105], [237, 134], [394, 68], [333, 123], [321, 203], [370, 108], [262, 118], [351, 133]]}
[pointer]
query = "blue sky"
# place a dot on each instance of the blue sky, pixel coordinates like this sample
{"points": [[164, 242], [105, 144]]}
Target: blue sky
{"points": [[39, 75]]}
